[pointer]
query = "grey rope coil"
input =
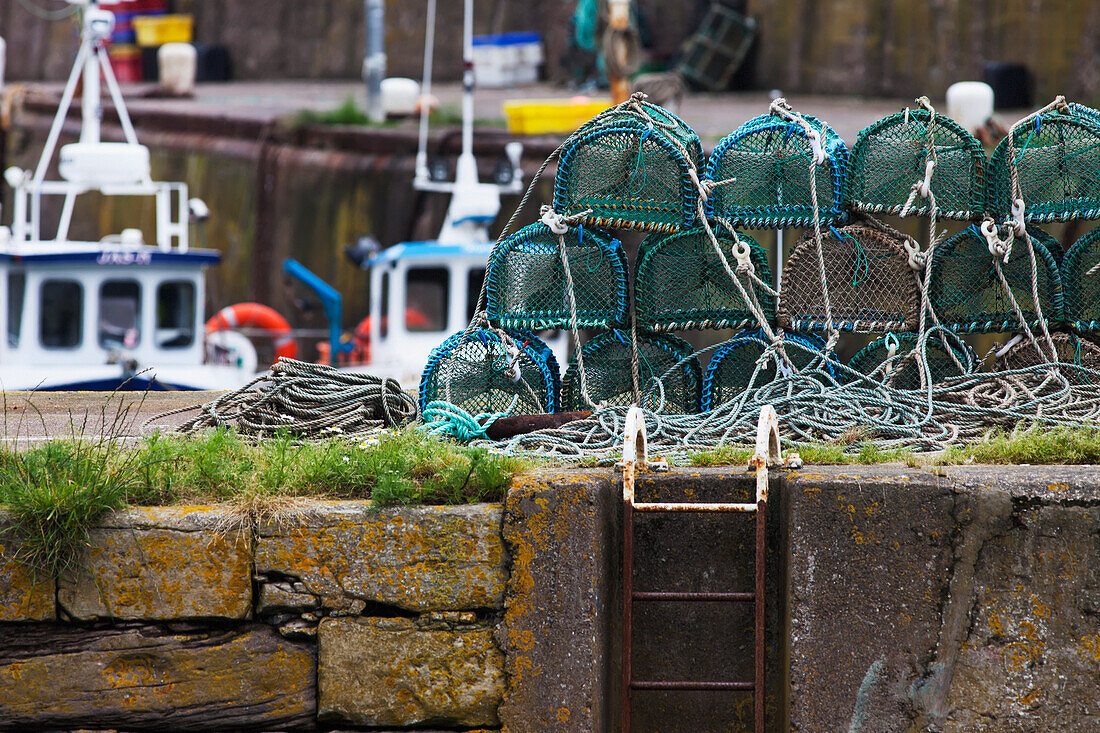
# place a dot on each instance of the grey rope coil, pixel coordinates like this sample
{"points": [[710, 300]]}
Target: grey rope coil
{"points": [[307, 400]]}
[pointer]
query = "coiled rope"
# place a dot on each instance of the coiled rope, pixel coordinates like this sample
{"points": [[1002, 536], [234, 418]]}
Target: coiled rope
{"points": [[307, 400]]}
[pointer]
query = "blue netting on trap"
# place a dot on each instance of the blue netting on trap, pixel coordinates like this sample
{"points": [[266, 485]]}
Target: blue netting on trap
{"points": [[891, 155], [527, 285], [1058, 166], [903, 369], [768, 159], [481, 373], [669, 371], [967, 295], [681, 283], [630, 168], [730, 371]]}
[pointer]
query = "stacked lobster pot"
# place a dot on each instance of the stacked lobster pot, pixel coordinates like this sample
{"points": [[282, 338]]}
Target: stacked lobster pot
{"points": [[777, 171], [1047, 170], [639, 167]]}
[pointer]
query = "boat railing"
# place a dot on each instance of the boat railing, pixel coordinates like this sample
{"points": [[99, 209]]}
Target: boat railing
{"points": [[172, 209]]}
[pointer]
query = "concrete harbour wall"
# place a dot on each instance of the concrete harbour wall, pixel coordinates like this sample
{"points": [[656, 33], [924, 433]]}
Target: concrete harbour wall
{"points": [[899, 599]]}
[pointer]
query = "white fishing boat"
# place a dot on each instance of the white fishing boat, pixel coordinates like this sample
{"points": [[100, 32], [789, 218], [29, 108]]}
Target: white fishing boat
{"points": [[121, 312]]}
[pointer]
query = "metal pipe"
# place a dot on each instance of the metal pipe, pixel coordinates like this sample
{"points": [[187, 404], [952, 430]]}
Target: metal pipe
{"points": [[468, 80], [374, 62], [425, 94]]}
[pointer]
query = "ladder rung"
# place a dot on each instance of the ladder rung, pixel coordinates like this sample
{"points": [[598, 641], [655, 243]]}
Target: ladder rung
{"points": [[670, 685], [686, 596], [648, 506]]}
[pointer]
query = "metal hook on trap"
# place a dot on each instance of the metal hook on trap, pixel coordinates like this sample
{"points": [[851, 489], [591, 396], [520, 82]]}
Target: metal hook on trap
{"points": [[998, 246]]}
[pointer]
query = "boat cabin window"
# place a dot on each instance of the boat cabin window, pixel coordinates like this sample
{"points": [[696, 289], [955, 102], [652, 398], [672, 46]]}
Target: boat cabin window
{"points": [[175, 314], [426, 291], [17, 287], [474, 280], [61, 311], [119, 314]]}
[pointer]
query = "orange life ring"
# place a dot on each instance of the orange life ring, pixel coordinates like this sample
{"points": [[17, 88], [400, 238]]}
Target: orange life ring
{"points": [[256, 315]]}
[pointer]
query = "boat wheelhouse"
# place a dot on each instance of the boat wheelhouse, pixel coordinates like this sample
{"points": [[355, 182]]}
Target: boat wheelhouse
{"points": [[117, 312]]}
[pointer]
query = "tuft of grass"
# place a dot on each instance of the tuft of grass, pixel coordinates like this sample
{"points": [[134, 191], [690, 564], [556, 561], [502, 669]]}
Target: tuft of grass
{"points": [[55, 491], [821, 454], [1029, 444], [348, 113]]}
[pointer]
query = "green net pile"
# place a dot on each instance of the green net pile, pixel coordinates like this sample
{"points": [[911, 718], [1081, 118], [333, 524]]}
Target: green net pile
{"points": [[871, 286], [968, 296], [1058, 166], [891, 155], [904, 371], [629, 169], [681, 282], [669, 375], [763, 172], [485, 372], [1081, 282], [527, 285]]}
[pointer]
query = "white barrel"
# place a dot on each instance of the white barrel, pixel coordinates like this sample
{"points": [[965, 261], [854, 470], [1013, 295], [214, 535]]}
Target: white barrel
{"points": [[399, 96], [970, 103], [177, 62]]}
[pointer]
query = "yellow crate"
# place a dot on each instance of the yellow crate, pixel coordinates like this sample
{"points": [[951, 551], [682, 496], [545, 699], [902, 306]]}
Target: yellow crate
{"points": [[545, 116], [157, 30]]}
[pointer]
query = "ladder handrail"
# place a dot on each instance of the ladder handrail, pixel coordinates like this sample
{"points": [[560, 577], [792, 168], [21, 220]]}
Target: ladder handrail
{"points": [[636, 455]]}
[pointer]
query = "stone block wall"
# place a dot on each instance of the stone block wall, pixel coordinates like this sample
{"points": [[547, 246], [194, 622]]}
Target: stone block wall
{"points": [[329, 615]]}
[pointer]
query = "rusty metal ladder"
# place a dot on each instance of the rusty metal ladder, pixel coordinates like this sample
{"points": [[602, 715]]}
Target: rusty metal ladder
{"points": [[635, 456]]}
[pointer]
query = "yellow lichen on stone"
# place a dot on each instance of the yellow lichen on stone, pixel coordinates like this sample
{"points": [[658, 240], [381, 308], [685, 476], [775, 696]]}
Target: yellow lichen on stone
{"points": [[161, 564]]}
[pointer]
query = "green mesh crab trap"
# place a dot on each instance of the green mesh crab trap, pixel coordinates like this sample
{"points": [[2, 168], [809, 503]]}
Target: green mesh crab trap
{"points": [[681, 283], [967, 295], [903, 372], [527, 285], [630, 168], [1070, 349], [484, 373], [1058, 166], [768, 159], [891, 156], [1081, 283], [730, 371], [662, 359], [871, 286]]}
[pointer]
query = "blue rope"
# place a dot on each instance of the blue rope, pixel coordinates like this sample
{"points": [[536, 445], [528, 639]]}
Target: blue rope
{"points": [[442, 418]]}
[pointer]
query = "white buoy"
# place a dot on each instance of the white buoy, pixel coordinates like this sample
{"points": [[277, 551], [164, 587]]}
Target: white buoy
{"points": [[400, 96], [970, 103], [177, 62]]}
